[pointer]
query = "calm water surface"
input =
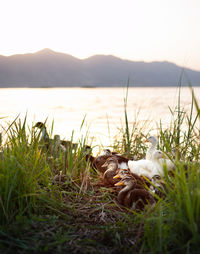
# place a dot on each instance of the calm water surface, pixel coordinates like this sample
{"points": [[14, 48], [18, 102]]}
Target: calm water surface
{"points": [[102, 107]]}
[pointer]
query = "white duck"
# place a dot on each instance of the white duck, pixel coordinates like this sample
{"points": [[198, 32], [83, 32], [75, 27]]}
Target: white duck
{"points": [[154, 141], [148, 168], [150, 153], [167, 163]]}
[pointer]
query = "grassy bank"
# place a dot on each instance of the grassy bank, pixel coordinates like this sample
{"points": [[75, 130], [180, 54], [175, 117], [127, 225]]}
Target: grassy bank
{"points": [[52, 202]]}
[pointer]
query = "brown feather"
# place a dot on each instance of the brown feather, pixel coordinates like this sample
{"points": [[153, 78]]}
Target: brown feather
{"points": [[112, 165], [134, 194]]}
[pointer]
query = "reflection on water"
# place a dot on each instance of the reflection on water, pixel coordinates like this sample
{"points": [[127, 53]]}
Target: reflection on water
{"points": [[68, 106]]}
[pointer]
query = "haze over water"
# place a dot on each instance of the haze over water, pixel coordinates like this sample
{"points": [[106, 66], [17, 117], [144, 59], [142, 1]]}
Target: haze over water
{"points": [[68, 107]]}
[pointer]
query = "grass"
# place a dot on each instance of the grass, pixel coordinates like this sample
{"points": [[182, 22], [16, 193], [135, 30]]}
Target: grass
{"points": [[78, 215]]}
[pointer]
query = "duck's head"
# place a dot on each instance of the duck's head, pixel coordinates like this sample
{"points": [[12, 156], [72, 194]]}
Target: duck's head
{"points": [[158, 154], [157, 181], [152, 140], [156, 178], [88, 149], [111, 161], [43, 131], [122, 173], [126, 181], [107, 152], [39, 125]]}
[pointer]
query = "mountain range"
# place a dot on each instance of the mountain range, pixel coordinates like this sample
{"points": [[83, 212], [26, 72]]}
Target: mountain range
{"points": [[47, 68]]}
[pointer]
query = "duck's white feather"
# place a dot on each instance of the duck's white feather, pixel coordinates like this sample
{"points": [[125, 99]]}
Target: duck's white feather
{"points": [[123, 165], [146, 168], [166, 163]]}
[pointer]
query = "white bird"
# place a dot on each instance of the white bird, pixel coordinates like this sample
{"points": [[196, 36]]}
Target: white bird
{"points": [[148, 168], [150, 153], [154, 141], [165, 162]]}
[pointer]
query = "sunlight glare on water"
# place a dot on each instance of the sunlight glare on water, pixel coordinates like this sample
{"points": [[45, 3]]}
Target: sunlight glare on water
{"points": [[68, 106]]}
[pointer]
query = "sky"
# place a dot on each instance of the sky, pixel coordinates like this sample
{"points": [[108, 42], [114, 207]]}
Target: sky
{"points": [[138, 30]]}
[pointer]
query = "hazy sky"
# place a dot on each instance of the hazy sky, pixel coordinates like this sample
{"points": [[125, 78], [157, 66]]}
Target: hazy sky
{"points": [[146, 30]]}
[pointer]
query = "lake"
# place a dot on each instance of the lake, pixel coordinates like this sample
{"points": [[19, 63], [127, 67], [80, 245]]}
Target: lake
{"points": [[102, 107]]}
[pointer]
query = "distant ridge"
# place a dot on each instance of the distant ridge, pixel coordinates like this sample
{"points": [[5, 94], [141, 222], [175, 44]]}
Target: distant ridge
{"points": [[47, 68]]}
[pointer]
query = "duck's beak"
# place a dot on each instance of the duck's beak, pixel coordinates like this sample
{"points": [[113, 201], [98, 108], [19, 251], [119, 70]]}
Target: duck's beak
{"points": [[116, 176], [119, 183], [105, 165], [146, 140], [164, 156]]}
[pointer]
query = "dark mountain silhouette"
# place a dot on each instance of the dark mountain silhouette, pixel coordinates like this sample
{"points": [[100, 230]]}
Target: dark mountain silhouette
{"points": [[47, 68]]}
